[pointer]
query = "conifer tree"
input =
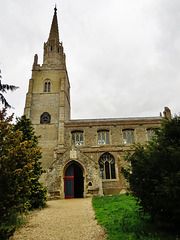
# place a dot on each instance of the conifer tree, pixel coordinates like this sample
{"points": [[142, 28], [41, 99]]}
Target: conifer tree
{"points": [[37, 196], [17, 160], [154, 174]]}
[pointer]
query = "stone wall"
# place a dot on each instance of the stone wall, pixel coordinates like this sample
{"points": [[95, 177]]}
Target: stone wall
{"points": [[56, 173], [88, 154]]}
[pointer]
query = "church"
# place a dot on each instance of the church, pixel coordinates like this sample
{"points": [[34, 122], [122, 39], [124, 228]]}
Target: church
{"points": [[82, 158]]}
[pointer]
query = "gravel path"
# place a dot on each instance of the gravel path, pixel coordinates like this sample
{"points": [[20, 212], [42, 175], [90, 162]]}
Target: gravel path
{"points": [[62, 220]]}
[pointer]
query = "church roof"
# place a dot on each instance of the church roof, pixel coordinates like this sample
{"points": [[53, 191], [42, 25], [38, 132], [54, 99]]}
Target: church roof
{"points": [[130, 120]]}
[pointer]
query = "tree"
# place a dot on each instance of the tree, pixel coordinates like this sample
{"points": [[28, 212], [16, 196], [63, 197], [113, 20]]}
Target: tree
{"points": [[3, 89], [38, 194], [16, 162], [18, 172], [154, 174]]}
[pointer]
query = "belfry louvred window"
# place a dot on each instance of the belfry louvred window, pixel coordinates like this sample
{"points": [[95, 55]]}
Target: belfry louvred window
{"points": [[107, 166], [47, 86]]}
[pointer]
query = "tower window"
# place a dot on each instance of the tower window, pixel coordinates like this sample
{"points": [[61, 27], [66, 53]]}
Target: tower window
{"points": [[107, 166], [128, 136], [47, 86], [51, 48], [45, 118], [77, 138], [103, 137]]}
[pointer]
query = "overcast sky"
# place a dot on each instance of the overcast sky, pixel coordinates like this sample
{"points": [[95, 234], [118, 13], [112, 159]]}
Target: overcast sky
{"points": [[123, 56]]}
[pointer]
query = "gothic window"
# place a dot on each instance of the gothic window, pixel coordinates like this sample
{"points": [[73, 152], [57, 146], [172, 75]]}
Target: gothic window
{"points": [[103, 137], [150, 133], [107, 166], [77, 138], [128, 136], [47, 86], [45, 118]]}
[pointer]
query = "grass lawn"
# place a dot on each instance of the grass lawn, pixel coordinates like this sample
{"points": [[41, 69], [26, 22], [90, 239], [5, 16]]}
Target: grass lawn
{"points": [[119, 215]]}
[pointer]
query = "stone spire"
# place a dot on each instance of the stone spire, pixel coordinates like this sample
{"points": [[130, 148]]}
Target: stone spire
{"points": [[53, 50], [54, 33]]}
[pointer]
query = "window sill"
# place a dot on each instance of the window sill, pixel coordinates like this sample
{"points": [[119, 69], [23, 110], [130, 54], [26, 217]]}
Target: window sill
{"points": [[78, 146], [102, 144], [129, 144], [110, 180]]}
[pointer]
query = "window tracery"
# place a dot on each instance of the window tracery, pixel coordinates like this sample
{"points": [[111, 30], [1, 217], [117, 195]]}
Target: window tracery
{"points": [[103, 137], [45, 118], [77, 138], [150, 133], [107, 166], [128, 136]]}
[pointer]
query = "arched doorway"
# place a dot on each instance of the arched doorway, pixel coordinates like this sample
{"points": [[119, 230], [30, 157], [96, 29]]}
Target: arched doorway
{"points": [[74, 181]]}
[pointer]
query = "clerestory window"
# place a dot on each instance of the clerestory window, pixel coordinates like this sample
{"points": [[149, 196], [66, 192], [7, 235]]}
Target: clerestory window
{"points": [[47, 86], [128, 136], [150, 133], [107, 166], [103, 137], [77, 138]]}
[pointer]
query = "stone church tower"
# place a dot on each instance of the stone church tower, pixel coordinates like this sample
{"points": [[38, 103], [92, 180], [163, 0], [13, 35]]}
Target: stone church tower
{"points": [[48, 98]]}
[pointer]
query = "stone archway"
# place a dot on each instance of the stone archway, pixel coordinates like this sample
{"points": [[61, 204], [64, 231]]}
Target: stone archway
{"points": [[73, 181]]}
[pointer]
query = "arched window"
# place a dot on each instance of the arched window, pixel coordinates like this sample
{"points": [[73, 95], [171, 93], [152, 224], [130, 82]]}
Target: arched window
{"points": [[47, 86], [45, 118], [128, 136], [77, 137], [107, 166], [103, 137]]}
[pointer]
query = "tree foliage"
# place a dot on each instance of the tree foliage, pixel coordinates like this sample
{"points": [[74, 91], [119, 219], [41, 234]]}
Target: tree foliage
{"points": [[19, 173], [3, 89], [154, 174], [38, 196]]}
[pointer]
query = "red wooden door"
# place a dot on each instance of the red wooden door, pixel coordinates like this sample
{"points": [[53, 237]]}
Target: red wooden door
{"points": [[69, 182]]}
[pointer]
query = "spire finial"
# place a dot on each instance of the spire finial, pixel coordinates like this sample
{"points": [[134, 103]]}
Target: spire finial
{"points": [[55, 9]]}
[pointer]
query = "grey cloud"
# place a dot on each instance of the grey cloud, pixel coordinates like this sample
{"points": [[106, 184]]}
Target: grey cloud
{"points": [[122, 56]]}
